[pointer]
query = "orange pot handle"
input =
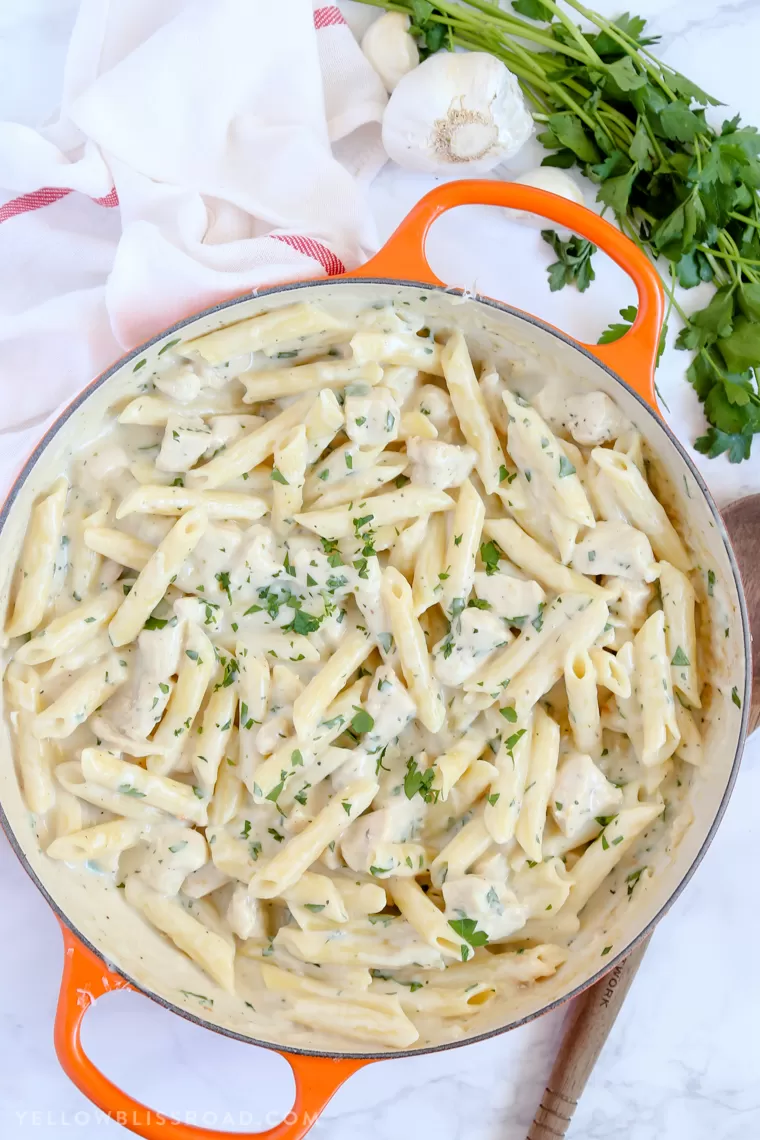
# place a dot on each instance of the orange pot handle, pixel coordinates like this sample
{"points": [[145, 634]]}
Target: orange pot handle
{"points": [[85, 979], [633, 357]]}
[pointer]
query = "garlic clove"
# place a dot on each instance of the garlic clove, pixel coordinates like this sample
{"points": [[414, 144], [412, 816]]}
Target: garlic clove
{"points": [[390, 49], [554, 181], [458, 112]]}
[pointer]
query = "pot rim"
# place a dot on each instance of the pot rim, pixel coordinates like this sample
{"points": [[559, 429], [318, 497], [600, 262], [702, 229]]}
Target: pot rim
{"points": [[529, 318]]}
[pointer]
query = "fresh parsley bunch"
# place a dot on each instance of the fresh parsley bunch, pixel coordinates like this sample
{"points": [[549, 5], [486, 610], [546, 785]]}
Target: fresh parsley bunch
{"points": [[681, 189]]}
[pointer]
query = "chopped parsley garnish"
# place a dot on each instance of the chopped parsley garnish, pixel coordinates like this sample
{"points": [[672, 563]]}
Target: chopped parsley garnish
{"points": [[490, 553], [417, 782], [362, 721], [466, 928], [155, 623], [128, 790], [223, 579]]}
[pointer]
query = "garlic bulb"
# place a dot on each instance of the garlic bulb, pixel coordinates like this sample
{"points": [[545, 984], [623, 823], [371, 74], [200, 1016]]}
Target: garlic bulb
{"points": [[457, 109], [390, 49], [555, 181]]}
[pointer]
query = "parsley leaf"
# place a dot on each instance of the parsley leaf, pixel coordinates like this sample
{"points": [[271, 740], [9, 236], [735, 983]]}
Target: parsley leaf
{"points": [[573, 265]]}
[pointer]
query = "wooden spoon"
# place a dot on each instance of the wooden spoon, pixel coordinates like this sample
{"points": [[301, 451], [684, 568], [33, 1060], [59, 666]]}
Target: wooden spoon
{"points": [[599, 1006]]}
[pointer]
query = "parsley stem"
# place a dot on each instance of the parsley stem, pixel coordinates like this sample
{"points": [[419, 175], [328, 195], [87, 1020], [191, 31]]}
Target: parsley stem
{"points": [[526, 30], [573, 29], [629, 46]]}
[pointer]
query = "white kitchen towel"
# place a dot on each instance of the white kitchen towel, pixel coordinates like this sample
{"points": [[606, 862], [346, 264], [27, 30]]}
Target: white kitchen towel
{"points": [[201, 150]]}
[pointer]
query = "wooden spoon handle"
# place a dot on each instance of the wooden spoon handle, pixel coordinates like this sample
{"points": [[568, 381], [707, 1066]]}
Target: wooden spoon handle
{"points": [[581, 1046]]}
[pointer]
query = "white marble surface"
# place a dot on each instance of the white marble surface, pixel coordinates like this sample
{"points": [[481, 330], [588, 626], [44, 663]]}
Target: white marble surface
{"points": [[683, 1062]]}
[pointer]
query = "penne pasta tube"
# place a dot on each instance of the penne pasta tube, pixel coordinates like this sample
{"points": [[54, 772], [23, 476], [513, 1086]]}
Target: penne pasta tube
{"points": [[361, 899], [288, 475], [212, 953], [416, 425], [546, 666], [388, 509], [310, 705], [38, 560], [80, 700], [472, 413], [678, 604], [156, 576], [461, 550], [92, 650], [654, 692], [537, 563], [505, 799], [174, 501], [273, 384], [444, 814], [498, 673], [102, 841], [250, 450], [202, 882], [228, 795], [379, 1027], [297, 855], [610, 672], [408, 546], [320, 894], [412, 650], [405, 350], [72, 630], [543, 461], [323, 421], [208, 744], [264, 331], [364, 483], [154, 411], [582, 701], [197, 667], [437, 1002], [542, 770], [119, 546], [171, 796], [426, 585], [601, 856], [458, 855], [34, 755], [640, 507], [690, 748], [69, 776], [395, 945], [454, 762], [424, 916], [232, 854]]}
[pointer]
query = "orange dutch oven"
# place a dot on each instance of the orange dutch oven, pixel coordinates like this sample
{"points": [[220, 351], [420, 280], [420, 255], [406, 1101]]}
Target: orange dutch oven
{"points": [[96, 961]]}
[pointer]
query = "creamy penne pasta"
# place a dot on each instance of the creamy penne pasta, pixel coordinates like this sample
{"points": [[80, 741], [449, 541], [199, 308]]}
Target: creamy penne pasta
{"points": [[346, 663]]}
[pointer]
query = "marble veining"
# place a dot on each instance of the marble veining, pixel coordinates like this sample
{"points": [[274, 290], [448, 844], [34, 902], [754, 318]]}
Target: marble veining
{"points": [[682, 1062]]}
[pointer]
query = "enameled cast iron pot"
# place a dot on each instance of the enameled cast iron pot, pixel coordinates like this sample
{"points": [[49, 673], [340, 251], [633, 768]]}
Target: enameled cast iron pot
{"points": [[105, 942]]}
